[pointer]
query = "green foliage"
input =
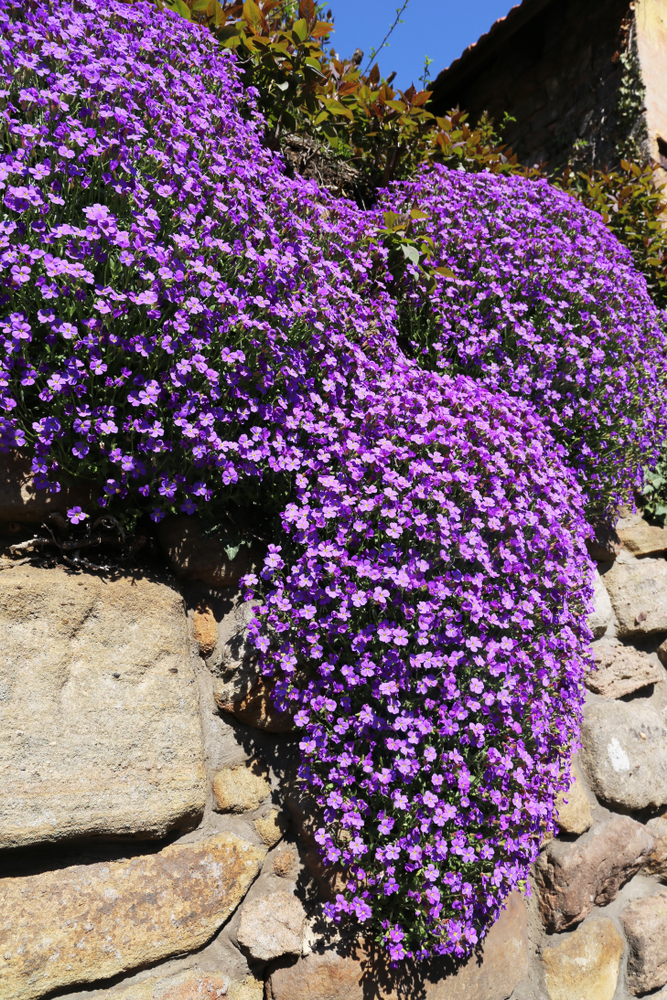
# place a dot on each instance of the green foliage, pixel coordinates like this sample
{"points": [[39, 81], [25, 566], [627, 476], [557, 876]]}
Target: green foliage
{"points": [[303, 89]]}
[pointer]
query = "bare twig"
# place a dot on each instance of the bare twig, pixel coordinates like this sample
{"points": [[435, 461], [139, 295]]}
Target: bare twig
{"points": [[374, 54]]}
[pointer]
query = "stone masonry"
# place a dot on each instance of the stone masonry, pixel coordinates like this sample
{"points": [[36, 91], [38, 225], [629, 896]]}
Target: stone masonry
{"points": [[581, 80], [154, 844]]}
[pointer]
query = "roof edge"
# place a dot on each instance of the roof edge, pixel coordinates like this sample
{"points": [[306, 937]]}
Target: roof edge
{"points": [[499, 32]]}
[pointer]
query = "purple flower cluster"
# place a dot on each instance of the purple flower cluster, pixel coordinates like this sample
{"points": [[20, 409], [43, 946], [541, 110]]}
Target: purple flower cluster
{"points": [[165, 286], [425, 621], [183, 325], [546, 304]]}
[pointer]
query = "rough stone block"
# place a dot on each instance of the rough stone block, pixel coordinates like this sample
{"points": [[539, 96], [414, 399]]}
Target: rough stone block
{"points": [[624, 747], [637, 589], [241, 789], [585, 966], [272, 827], [602, 615], [90, 922], [256, 708], [621, 670], [574, 816], [644, 539], [645, 926], [272, 926], [657, 863], [100, 731], [194, 984], [573, 878]]}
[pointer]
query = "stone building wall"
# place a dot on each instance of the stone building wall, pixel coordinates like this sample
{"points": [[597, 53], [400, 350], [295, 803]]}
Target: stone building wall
{"points": [[154, 844], [581, 80]]}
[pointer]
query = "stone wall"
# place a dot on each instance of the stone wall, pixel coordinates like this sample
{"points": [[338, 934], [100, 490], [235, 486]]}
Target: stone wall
{"points": [[580, 80], [154, 844]]}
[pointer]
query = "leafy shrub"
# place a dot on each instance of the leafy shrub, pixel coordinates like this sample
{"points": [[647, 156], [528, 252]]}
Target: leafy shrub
{"points": [[425, 619], [544, 302], [183, 325]]}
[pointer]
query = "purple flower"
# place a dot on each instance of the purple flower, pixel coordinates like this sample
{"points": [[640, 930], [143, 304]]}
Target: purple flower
{"points": [[76, 515]]}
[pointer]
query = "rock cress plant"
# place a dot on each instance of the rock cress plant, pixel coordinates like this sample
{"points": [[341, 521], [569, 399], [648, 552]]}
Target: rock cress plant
{"points": [[182, 324], [547, 304]]}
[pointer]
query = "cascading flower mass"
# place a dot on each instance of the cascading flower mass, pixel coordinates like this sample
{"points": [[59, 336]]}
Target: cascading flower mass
{"points": [[184, 326]]}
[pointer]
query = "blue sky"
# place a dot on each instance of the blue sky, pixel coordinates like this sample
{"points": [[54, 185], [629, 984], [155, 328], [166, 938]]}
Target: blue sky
{"points": [[440, 29]]}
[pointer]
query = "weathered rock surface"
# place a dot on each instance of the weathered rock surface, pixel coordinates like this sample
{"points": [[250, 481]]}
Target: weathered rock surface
{"points": [[624, 753], [99, 710], [241, 789], [86, 923], [272, 827], [645, 926], [585, 966], [284, 862], [602, 616], [574, 816], [272, 926], [204, 629], [329, 976], [21, 502], [621, 670], [644, 539], [194, 557], [637, 589], [573, 878], [256, 708], [657, 863], [194, 984]]}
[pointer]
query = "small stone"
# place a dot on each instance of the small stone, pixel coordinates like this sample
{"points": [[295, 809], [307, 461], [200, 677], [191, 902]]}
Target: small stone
{"points": [[637, 589], [621, 670], [573, 878], [91, 922], [657, 863], [574, 816], [194, 557], [284, 861], [272, 926], [585, 966], [272, 827], [241, 789], [256, 709], [645, 926], [624, 767], [204, 630], [605, 544], [644, 539], [602, 615]]}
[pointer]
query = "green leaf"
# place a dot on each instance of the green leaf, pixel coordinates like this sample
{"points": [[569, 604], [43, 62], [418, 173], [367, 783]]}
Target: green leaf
{"points": [[410, 253], [181, 8], [445, 272], [300, 29], [416, 213]]}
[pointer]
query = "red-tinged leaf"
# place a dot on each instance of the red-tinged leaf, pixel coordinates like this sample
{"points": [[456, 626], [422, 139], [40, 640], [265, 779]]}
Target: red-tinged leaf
{"points": [[421, 98], [348, 88], [321, 29], [374, 76], [307, 10]]}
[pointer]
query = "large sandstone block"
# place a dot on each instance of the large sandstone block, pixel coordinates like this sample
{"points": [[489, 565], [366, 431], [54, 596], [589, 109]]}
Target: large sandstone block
{"points": [[585, 965], [624, 749], [330, 976], [637, 589], [99, 710], [90, 922], [645, 926], [573, 878]]}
